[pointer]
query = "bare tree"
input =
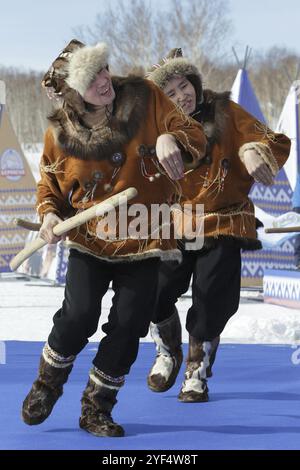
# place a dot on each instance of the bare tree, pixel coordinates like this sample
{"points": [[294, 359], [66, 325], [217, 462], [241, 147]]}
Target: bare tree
{"points": [[27, 103], [202, 28], [130, 39], [141, 34], [272, 74], [221, 76]]}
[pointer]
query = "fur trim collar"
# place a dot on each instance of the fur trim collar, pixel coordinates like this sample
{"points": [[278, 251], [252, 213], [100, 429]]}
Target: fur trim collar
{"points": [[212, 114], [84, 64], [130, 107]]}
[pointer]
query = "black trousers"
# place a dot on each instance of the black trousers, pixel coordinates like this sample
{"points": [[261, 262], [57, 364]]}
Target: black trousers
{"points": [[215, 288], [87, 281]]}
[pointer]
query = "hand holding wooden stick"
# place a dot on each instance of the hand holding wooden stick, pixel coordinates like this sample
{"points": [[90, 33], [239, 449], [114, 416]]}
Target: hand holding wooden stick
{"points": [[73, 222]]}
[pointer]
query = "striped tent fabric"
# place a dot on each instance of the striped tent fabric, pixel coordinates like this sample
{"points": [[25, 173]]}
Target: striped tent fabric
{"points": [[17, 189]]}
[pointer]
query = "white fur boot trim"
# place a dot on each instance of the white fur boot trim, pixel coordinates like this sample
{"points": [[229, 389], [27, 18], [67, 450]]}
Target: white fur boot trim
{"points": [[193, 384], [161, 348], [164, 365]]}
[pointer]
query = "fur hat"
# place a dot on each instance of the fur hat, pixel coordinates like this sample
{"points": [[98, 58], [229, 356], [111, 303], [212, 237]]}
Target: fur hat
{"points": [[174, 64], [84, 64], [55, 78]]}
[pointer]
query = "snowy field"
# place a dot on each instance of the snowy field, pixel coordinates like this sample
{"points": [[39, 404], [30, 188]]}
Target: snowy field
{"points": [[27, 307]]}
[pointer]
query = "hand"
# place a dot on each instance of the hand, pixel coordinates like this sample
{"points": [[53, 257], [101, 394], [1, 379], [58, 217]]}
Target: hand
{"points": [[46, 230], [169, 156], [257, 168]]}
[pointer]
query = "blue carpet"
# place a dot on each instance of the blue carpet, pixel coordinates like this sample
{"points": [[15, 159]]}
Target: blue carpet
{"points": [[255, 397]]}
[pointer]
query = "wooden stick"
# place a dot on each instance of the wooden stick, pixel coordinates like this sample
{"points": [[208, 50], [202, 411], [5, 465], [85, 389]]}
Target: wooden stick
{"points": [[282, 229], [73, 222], [34, 227]]}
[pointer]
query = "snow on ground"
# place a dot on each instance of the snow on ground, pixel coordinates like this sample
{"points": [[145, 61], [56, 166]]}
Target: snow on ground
{"points": [[26, 311]]}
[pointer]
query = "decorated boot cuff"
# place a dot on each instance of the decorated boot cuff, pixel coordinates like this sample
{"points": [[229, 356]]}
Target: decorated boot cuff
{"points": [[55, 359], [102, 379]]}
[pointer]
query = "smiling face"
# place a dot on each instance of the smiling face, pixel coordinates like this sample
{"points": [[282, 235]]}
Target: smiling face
{"points": [[182, 93], [100, 91]]}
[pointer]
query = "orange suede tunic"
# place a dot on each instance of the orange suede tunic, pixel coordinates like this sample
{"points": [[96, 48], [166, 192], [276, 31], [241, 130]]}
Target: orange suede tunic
{"points": [[222, 182], [70, 184]]}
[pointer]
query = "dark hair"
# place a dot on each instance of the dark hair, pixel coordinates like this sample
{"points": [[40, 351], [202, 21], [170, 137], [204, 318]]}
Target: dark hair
{"points": [[196, 82]]}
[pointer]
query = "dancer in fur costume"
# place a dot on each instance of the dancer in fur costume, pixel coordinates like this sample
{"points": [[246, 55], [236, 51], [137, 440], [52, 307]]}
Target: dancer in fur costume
{"points": [[107, 134], [240, 150]]}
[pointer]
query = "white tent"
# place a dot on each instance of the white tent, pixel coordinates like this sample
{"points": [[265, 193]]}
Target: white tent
{"points": [[271, 201], [289, 124]]}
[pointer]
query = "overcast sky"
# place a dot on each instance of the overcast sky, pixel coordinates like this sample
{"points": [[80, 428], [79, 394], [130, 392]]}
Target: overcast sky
{"points": [[32, 32]]}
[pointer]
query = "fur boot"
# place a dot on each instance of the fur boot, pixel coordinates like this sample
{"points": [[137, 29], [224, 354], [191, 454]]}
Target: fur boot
{"points": [[53, 373], [200, 359], [212, 355], [167, 337], [98, 400]]}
